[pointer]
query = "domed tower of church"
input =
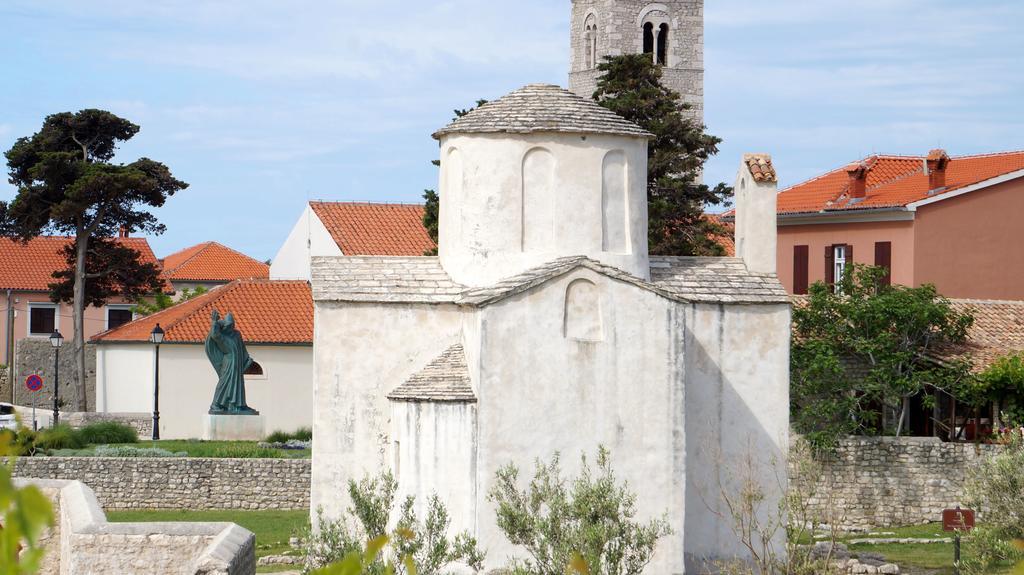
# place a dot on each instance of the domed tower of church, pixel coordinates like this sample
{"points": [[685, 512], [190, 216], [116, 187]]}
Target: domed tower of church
{"points": [[538, 175], [671, 31]]}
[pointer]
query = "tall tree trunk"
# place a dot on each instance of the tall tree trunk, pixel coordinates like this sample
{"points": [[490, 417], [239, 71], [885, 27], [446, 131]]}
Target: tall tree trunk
{"points": [[78, 311]]}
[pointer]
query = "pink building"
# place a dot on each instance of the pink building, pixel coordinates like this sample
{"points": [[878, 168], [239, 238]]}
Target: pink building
{"points": [[26, 270], [953, 222]]}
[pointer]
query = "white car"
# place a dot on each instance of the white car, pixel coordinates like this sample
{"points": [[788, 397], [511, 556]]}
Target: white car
{"points": [[7, 419]]}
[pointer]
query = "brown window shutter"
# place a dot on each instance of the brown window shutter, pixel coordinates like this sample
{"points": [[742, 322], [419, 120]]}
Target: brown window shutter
{"points": [[883, 259], [800, 274], [849, 254], [830, 265]]}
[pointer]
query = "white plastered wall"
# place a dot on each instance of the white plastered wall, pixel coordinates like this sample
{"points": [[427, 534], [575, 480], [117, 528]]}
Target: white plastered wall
{"points": [[541, 392], [737, 410], [510, 202], [308, 238], [124, 383], [361, 353]]}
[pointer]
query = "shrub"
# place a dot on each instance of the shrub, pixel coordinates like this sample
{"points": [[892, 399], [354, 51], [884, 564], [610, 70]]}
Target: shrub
{"points": [[300, 434], [25, 512], [997, 487], [243, 451], [131, 451], [60, 437], [424, 544], [278, 436], [562, 522], [107, 432]]}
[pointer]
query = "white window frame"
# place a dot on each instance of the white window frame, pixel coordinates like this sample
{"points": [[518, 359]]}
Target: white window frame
{"points": [[838, 264], [42, 305], [110, 306]]}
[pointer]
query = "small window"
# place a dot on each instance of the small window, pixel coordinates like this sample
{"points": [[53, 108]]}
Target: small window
{"points": [[254, 369], [42, 319], [118, 315], [839, 264], [648, 38]]}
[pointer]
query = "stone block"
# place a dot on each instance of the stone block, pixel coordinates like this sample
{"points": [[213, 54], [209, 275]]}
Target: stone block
{"points": [[234, 427]]}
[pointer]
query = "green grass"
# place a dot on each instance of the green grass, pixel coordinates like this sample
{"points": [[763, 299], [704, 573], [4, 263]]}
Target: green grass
{"points": [[196, 448], [932, 558], [272, 528]]}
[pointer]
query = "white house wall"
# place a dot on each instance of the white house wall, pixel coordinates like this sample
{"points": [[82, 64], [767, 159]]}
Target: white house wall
{"points": [[541, 392], [737, 410], [283, 395], [308, 238], [362, 352]]}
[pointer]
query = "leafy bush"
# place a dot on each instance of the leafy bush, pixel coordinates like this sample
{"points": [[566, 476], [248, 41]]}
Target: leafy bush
{"points": [[300, 434], [24, 513], [60, 437], [243, 451], [421, 547], [563, 523], [107, 432], [130, 451], [997, 487]]}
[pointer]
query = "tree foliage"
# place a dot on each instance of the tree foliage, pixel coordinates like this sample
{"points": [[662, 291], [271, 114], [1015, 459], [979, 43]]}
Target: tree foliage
{"points": [[564, 524], [160, 301], [1001, 383], [997, 487], [67, 184], [862, 343], [630, 86], [112, 269], [413, 546], [24, 515]]}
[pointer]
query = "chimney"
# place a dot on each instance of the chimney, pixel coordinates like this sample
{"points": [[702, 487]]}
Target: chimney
{"points": [[756, 228], [123, 232], [858, 173], [935, 166]]}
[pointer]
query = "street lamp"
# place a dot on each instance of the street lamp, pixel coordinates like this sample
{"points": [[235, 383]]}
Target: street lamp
{"points": [[56, 340], [156, 337]]}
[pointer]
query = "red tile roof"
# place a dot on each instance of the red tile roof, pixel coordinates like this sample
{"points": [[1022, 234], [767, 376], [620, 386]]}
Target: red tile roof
{"points": [[30, 266], [266, 311], [728, 240], [998, 330], [893, 181], [210, 261], [367, 229]]}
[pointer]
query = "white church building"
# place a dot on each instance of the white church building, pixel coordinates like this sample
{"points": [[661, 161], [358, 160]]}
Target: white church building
{"points": [[545, 326]]}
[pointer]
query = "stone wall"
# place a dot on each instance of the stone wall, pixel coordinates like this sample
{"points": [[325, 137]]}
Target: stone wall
{"points": [[35, 355], [83, 542], [142, 422], [181, 483], [888, 482]]}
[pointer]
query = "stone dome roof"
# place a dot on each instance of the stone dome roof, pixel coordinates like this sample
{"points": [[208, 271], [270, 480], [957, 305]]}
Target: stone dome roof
{"points": [[543, 108]]}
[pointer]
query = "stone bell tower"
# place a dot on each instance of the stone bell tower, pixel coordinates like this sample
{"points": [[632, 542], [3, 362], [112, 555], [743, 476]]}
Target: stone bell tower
{"points": [[671, 31]]}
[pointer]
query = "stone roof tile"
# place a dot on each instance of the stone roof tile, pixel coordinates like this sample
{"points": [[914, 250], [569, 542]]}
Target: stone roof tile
{"points": [[715, 280], [543, 108], [445, 379], [382, 279]]}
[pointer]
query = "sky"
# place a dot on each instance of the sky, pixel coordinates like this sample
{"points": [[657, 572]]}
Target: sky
{"points": [[261, 105]]}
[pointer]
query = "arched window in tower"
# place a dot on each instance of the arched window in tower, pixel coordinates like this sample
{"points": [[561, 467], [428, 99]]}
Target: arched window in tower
{"points": [[590, 42], [582, 320], [648, 38], [663, 45], [538, 200], [614, 211]]}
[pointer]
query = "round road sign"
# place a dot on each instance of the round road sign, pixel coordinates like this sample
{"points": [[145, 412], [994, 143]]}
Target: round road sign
{"points": [[34, 382]]}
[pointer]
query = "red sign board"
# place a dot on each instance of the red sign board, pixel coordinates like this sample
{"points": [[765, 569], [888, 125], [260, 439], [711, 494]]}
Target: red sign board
{"points": [[958, 519], [34, 382]]}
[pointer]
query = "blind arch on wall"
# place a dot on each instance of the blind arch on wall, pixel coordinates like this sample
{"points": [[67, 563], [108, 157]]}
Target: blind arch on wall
{"points": [[538, 200]]}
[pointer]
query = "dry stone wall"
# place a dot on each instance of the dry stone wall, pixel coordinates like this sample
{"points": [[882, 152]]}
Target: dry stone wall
{"points": [[888, 482], [34, 355], [181, 483]]}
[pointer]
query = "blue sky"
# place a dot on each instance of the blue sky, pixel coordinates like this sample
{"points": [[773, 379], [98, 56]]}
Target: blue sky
{"points": [[262, 104]]}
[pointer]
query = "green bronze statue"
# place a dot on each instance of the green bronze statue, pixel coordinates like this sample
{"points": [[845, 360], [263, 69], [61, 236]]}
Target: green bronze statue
{"points": [[230, 359]]}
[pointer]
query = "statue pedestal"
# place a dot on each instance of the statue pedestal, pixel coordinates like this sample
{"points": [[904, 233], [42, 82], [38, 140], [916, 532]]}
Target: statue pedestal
{"points": [[233, 427]]}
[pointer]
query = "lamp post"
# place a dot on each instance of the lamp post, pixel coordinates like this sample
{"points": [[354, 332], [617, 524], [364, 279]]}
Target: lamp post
{"points": [[56, 340], [156, 337]]}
